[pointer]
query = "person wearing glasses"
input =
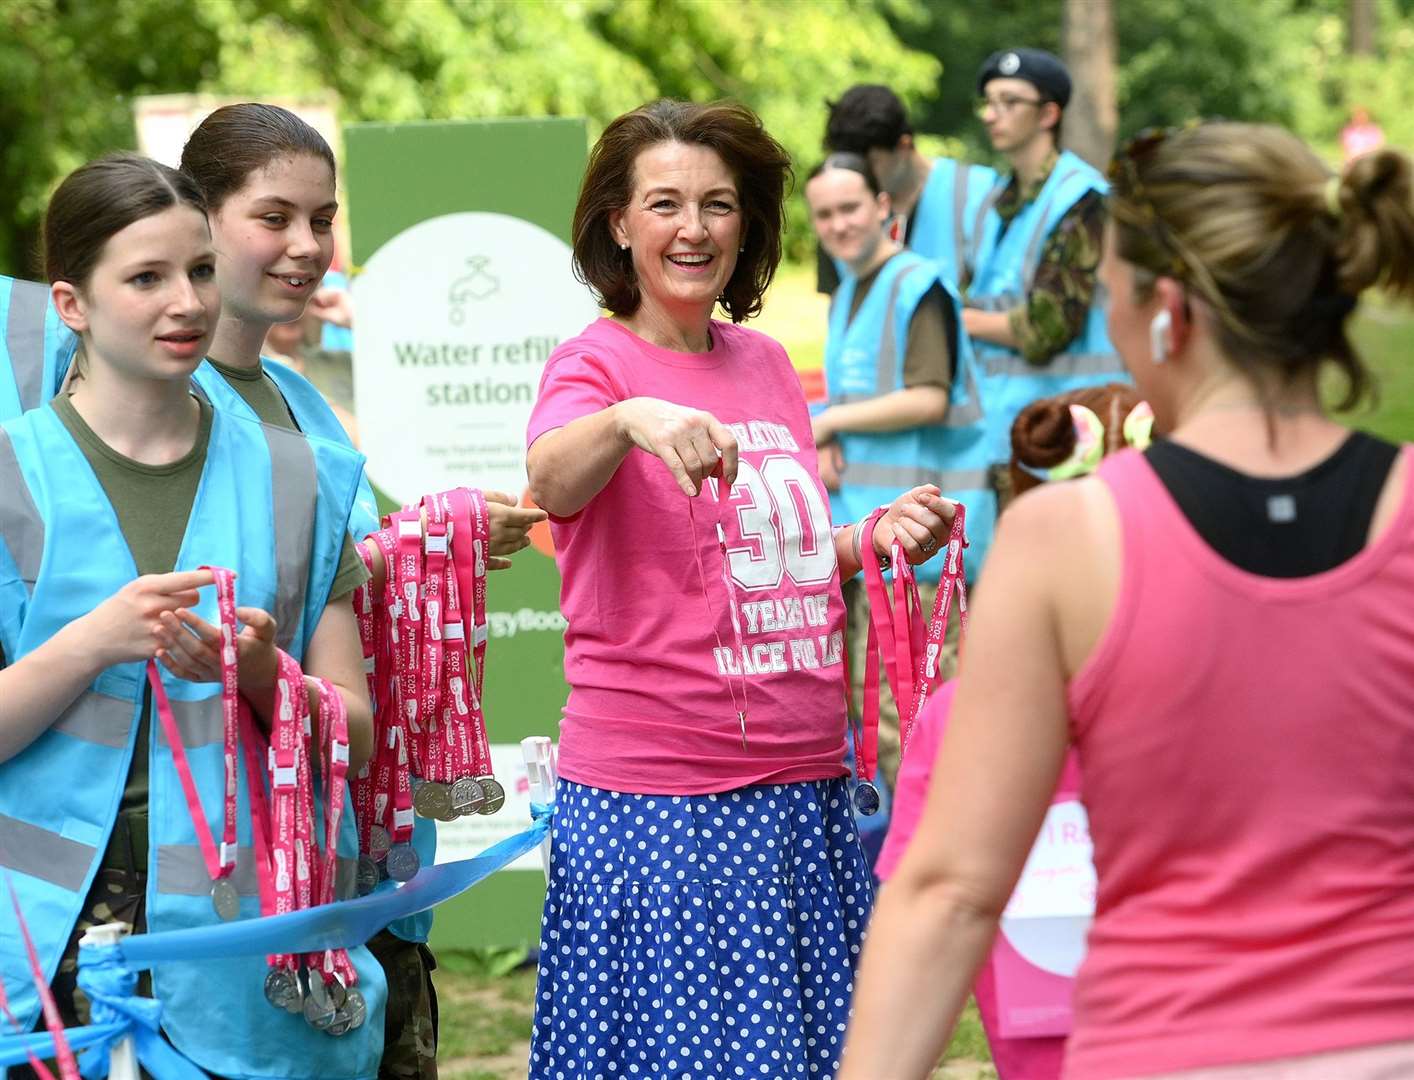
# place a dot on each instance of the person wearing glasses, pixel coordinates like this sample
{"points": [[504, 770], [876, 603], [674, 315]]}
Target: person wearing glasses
{"points": [[936, 204], [1221, 627], [1031, 307]]}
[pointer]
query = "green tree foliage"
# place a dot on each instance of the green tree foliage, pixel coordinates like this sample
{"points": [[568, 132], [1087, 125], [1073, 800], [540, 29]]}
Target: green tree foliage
{"points": [[70, 68], [1178, 59]]}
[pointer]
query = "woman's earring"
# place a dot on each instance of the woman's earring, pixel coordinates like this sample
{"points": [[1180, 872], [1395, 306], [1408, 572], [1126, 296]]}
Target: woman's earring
{"points": [[623, 247]]}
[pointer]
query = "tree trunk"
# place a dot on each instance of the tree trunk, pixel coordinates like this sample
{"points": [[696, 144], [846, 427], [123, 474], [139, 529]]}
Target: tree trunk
{"points": [[1092, 118], [1363, 20]]}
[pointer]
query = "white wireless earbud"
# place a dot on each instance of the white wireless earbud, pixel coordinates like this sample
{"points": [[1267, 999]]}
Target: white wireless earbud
{"points": [[1159, 336]]}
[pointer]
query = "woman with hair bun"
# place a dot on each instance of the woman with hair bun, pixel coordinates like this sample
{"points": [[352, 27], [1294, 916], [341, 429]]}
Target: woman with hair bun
{"points": [[1183, 619], [1057, 438]]}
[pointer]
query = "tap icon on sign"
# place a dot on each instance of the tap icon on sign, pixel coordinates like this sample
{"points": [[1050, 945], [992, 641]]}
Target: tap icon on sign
{"points": [[477, 284]]}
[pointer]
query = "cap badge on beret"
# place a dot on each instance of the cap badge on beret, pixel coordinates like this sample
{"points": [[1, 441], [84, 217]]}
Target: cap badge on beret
{"points": [[1009, 64]]}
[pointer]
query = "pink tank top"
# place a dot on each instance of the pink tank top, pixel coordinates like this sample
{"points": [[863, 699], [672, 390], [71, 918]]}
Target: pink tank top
{"points": [[1247, 745]]}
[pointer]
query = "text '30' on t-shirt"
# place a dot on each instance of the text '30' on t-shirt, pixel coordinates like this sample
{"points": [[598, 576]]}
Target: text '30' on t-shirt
{"points": [[653, 664]]}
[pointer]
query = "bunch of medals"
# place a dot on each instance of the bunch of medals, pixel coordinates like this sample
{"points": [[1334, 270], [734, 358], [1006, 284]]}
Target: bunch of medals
{"points": [[295, 867], [424, 646], [908, 647]]}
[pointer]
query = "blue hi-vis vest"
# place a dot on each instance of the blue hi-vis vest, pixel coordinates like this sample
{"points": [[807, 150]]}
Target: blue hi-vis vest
{"points": [[1005, 269], [864, 358], [313, 415], [35, 349], [951, 212], [62, 553]]}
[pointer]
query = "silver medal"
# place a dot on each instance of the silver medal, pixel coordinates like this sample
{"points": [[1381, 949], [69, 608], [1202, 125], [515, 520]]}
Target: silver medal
{"points": [[368, 875], [341, 1025], [356, 1008], [467, 796], [403, 862], [225, 899], [282, 989], [379, 841], [495, 795], [433, 800], [319, 1007], [866, 798]]}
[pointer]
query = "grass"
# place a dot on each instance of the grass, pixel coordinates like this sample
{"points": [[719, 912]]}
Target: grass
{"points": [[485, 1019], [485, 1026]]}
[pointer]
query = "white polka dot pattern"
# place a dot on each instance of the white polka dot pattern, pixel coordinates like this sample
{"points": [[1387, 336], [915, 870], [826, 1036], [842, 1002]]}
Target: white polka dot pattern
{"points": [[700, 937]]}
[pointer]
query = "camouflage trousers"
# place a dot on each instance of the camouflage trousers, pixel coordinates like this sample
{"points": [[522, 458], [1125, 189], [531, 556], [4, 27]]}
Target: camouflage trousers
{"points": [[410, 1027], [856, 602]]}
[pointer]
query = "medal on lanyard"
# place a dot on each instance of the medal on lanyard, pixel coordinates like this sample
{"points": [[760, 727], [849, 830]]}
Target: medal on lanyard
{"points": [[467, 793], [723, 508], [494, 795], [909, 652], [391, 770], [282, 987], [362, 786], [220, 863], [952, 582], [481, 792]]}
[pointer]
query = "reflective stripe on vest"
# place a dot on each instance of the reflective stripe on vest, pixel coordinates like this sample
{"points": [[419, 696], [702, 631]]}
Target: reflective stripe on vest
{"points": [[1061, 364], [24, 338], [959, 214], [99, 718], [295, 485], [21, 527], [903, 477], [43, 854]]}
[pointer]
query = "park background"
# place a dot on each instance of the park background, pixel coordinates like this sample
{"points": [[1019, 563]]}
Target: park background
{"points": [[71, 71]]}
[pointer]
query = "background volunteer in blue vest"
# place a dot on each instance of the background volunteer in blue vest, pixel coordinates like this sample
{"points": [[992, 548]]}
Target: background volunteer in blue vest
{"points": [[850, 211], [1024, 95], [927, 213]]}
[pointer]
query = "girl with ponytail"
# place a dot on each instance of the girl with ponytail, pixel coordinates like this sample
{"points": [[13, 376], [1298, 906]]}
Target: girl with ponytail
{"points": [[1222, 627]]}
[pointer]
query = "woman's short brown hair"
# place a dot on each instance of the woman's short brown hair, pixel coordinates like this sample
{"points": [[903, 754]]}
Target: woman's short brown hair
{"points": [[759, 163]]}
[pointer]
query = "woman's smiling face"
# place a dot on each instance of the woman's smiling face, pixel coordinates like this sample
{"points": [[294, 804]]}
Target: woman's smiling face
{"points": [[683, 226]]}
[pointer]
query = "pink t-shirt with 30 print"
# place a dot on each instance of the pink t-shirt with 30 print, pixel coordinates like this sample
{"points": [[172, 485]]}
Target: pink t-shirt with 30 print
{"points": [[655, 672]]}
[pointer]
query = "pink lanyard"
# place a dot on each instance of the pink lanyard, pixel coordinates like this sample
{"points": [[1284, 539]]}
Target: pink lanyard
{"points": [[219, 864], [435, 547], [53, 1022], [723, 510], [909, 650]]}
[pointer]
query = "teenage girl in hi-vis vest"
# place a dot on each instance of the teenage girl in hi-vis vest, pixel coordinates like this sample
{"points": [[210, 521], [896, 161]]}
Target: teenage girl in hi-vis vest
{"points": [[112, 497], [268, 177]]}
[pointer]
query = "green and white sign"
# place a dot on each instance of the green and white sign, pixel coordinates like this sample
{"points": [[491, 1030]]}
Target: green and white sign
{"points": [[461, 232]]}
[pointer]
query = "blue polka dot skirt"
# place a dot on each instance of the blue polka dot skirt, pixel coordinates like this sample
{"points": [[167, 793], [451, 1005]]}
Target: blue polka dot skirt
{"points": [[699, 937]]}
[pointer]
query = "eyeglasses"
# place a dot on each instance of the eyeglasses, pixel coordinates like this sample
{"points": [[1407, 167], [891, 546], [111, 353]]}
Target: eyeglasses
{"points": [[1004, 103]]}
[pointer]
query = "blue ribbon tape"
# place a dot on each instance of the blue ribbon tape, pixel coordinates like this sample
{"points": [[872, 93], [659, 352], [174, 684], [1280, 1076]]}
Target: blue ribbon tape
{"points": [[106, 972]]}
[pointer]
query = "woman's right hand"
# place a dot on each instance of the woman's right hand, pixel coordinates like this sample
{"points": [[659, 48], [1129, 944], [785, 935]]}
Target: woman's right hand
{"points": [[693, 444], [128, 625], [510, 526]]}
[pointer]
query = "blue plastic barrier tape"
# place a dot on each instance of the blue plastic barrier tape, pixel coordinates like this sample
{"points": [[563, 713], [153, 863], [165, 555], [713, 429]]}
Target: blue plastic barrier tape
{"points": [[107, 972]]}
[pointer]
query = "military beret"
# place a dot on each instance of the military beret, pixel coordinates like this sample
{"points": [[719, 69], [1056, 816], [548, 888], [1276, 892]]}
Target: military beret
{"points": [[1041, 69]]}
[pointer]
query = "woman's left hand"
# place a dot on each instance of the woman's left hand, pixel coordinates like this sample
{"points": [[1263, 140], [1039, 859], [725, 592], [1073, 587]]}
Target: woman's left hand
{"points": [[191, 648], [920, 520]]}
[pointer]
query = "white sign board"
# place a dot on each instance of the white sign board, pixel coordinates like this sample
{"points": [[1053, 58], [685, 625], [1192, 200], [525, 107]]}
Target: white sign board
{"points": [[456, 318]]}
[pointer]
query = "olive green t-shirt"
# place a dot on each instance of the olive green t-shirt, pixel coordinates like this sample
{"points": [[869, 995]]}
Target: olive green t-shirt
{"points": [[258, 390]]}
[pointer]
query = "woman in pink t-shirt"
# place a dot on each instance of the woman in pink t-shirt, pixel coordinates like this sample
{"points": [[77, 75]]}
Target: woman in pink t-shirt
{"points": [[1223, 628], [708, 896]]}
